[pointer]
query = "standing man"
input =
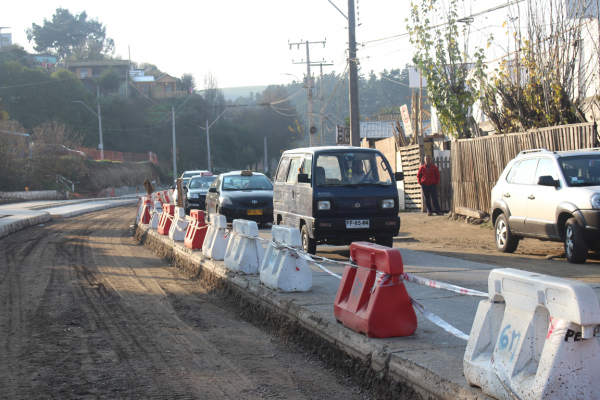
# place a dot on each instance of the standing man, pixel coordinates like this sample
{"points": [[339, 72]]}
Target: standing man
{"points": [[429, 177]]}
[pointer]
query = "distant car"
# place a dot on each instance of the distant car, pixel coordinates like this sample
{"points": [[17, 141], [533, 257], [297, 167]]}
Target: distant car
{"points": [[197, 188], [241, 194], [185, 178], [549, 195]]}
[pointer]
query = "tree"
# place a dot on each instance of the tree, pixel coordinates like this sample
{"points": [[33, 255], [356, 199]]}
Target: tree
{"points": [[69, 34], [14, 53], [186, 82], [109, 80], [452, 75]]}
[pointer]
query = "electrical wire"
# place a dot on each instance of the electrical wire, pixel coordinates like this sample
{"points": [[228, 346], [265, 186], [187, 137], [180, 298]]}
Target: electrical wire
{"points": [[38, 83]]}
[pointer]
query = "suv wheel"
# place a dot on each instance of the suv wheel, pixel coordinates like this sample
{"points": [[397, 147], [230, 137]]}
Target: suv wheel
{"points": [[506, 242], [576, 248], [308, 245]]}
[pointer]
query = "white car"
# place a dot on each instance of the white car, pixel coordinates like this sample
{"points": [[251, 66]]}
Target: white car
{"points": [[550, 196]]}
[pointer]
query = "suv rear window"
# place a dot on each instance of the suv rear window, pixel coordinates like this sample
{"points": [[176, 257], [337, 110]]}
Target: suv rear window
{"points": [[581, 170]]}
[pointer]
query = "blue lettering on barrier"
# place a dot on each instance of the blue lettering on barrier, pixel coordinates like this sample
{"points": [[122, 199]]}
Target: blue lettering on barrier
{"points": [[503, 342], [357, 286]]}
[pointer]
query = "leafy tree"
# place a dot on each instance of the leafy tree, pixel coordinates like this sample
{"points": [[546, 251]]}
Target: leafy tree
{"points": [[14, 53], [186, 82], [150, 69], [109, 80], [69, 34], [3, 114], [452, 75]]}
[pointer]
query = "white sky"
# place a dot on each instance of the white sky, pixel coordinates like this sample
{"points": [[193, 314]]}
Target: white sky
{"points": [[243, 42]]}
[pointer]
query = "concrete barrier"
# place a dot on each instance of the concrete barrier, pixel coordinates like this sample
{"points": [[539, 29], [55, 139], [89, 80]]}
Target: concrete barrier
{"points": [[179, 225], [244, 254], [156, 215], [215, 242], [534, 338], [282, 269]]}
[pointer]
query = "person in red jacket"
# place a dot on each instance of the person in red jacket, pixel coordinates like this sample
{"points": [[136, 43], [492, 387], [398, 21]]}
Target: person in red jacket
{"points": [[429, 177]]}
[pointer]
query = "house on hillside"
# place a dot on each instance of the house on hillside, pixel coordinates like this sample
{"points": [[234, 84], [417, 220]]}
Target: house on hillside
{"points": [[144, 84], [166, 86], [89, 71]]}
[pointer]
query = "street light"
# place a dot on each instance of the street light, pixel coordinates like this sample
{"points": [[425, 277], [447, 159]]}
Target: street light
{"points": [[101, 146]]}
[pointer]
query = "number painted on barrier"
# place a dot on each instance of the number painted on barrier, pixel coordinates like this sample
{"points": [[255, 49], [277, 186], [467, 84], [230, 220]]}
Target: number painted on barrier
{"points": [[504, 340], [272, 260]]}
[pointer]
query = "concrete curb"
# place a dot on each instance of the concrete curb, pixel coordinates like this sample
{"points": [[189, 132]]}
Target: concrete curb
{"points": [[412, 379], [22, 223], [87, 210]]}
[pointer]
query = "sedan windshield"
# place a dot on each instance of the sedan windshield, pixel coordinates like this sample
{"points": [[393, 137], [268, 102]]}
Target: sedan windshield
{"points": [[352, 169], [581, 170], [201, 183], [253, 182]]}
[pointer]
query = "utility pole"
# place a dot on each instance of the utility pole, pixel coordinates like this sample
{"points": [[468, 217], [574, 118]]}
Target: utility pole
{"points": [[266, 166], [353, 69], [100, 128], [322, 101], [309, 85], [208, 146], [174, 145]]}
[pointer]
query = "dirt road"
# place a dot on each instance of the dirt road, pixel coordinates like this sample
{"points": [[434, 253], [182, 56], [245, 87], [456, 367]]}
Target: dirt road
{"points": [[86, 313]]}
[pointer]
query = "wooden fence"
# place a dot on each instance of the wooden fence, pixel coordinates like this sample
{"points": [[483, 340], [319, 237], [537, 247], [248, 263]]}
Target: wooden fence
{"points": [[411, 157], [477, 163]]}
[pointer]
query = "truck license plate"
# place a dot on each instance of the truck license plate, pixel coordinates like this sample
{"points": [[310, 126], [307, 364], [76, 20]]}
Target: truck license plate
{"points": [[255, 212], [357, 223]]}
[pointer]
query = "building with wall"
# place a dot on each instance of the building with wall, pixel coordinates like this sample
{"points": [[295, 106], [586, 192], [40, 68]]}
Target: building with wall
{"points": [[89, 71]]}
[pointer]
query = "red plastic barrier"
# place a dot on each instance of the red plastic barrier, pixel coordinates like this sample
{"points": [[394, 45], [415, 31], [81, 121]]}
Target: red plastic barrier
{"points": [[373, 299], [164, 224], [166, 194], [194, 237], [146, 215], [141, 204]]}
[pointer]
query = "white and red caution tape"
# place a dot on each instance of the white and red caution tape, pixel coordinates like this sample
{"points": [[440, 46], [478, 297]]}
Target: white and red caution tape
{"points": [[441, 285], [438, 321]]}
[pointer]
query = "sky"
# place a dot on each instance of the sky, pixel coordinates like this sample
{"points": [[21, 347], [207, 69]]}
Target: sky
{"points": [[244, 42]]}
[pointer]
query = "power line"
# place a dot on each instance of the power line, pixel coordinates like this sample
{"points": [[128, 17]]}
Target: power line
{"points": [[38, 83]]}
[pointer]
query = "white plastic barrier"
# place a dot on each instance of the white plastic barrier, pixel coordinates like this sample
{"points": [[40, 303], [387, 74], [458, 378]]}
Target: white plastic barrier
{"points": [[282, 269], [156, 215], [215, 242], [534, 339], [179, 225], [244, 254]]}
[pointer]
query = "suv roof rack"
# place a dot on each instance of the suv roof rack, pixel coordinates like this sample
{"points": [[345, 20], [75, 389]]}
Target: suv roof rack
{"points": [[532, 151]]}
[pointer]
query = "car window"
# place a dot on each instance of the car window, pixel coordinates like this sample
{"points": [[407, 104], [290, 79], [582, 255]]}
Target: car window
{"points": [[525, 172], [307, 166], [201, 183], [294, 170], [328, 170], [545, 167], [511, 174], [581, 170], [283, 169], [245, 182]]}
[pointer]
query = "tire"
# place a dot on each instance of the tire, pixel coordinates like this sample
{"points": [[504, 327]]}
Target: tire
{"points": [[308, 245], [506, 242], [387, 241], [576, 248]]}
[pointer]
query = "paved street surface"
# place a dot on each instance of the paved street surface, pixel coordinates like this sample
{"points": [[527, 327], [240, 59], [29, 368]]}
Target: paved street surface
{"points": [[86, 313]]}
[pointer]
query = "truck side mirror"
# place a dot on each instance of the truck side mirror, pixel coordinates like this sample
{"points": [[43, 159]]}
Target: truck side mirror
{"points": [[303, 178], [399, 176]]}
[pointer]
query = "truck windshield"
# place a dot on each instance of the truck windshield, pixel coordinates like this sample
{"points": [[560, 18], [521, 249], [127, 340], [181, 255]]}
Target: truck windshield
{"points": [[360, 168]]}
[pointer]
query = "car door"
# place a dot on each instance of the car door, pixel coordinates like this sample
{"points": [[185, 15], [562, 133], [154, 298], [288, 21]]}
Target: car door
{"points": [[289, 196], [304, 190], [279, 184], [212, 199], [516, 192], [541, 202]]}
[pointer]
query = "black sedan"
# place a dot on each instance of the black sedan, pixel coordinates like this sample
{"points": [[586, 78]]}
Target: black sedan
{"points": [[241, 194]]}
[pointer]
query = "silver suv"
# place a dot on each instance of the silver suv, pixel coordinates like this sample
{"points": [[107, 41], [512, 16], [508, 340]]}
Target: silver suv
{"points": [[549, 195]]}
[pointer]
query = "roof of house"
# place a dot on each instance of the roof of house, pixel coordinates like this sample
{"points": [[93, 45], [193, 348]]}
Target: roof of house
{"points": [[143, 78], [376, 129], [107, 63], [166, 76]]}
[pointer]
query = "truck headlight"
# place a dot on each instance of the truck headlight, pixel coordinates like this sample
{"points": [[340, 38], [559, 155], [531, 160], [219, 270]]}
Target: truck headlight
{"points": [[387, 203], [193, 195], [225, 201], [595, 200], [323, 205]]}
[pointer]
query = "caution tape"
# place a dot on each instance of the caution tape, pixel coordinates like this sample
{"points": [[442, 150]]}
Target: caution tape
{"points": [[441, 285], [438, 321]]}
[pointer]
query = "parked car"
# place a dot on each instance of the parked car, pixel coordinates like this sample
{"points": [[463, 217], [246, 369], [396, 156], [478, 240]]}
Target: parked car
{"points": [[241, 194], [197, 188], [337, 195], [185, 178], [549, 195]]}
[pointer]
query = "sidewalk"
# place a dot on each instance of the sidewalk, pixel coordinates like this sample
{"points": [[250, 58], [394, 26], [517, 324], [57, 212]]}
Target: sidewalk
{"points": [[17, 216], [429, 362]]}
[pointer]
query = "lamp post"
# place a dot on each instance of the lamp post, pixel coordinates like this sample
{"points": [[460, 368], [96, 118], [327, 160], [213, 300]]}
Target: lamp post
{"points": [[99, 115]]}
